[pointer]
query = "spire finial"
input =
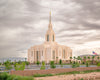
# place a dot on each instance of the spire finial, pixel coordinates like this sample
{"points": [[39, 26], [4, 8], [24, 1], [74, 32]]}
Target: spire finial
{"points": [[50, 17], [50, 25]]}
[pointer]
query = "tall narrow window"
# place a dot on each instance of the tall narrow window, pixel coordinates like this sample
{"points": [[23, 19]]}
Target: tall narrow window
{"points": [[47, 37], [42, 53], [64, 54], [31, 53], [53, 38], [37, 55], [53, 54]]}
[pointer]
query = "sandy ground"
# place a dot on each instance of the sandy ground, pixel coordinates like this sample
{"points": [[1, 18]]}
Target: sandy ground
{"points": [[88, 76]]}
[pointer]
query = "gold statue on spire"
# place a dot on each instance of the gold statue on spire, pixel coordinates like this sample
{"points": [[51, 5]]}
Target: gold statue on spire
{"points": [[50, 25], [50, 17]]}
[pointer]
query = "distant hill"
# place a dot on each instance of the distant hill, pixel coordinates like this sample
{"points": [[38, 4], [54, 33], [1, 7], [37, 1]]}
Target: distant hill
{"points": [[89, 55], [13, 59]]}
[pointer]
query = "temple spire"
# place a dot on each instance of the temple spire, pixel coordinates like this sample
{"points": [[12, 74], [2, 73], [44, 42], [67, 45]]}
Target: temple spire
{"points": [[50, 35], [50, 25], [50, 18]]}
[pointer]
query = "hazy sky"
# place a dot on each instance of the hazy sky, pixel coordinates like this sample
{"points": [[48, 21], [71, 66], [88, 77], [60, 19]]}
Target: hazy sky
{"points": [[23, 23]]}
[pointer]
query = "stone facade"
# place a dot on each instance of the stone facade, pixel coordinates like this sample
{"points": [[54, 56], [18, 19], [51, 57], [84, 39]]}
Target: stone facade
{"points": [[50, 50]]}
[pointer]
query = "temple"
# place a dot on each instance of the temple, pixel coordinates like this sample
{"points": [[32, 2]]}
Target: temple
{"points": [[50, 50]]}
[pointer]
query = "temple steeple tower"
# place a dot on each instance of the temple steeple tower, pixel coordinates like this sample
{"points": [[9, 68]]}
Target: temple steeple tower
{"points": [[50, 50], [50, 24], [50, 35]]}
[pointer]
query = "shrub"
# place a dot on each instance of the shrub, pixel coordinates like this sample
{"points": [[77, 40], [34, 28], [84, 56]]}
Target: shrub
{"points": [[74, 66], [38, 63], [12, 63], [6, 76], [87, 64], [8, 65], [27, 63], [77, 64], [22, 78], [11, 77], [83, 62], [52, 64], [19, 66], [3, 76], [98, 64], [74, 62], [81, 79], [42, 75], [19, 62], [60, 61], [43, 66]]}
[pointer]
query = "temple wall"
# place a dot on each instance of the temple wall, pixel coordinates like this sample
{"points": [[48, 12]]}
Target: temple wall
{"points": [[46, 54]]}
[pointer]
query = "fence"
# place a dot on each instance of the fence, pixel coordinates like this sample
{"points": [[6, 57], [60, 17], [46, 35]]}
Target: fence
{"points": [[51, 71]]}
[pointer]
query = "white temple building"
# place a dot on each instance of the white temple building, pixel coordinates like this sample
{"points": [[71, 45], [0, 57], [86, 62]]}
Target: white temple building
{"points": [[50, 50]]}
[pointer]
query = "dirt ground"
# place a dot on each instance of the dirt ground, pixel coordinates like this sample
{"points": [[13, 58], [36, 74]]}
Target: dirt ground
{"points": [[88, 76]]}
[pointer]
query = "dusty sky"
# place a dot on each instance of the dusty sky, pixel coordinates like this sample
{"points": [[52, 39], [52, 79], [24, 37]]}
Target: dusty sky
{"points": [[23, 23]]}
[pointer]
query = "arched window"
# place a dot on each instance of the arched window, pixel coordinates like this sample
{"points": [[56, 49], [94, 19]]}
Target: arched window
{"points": [[53, 37], [53, 54], [47, 37]]}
